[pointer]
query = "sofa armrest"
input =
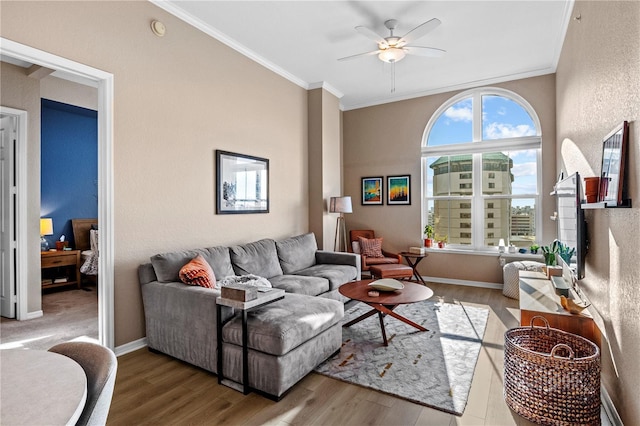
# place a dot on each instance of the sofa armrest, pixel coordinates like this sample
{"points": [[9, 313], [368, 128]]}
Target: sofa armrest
{"points": [[339, 258]]}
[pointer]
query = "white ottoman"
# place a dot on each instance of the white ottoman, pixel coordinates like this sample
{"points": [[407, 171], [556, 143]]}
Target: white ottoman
{"points": [[511, 287]]}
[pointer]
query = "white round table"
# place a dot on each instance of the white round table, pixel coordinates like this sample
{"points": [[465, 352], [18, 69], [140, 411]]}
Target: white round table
{"points": [[40, 387]]}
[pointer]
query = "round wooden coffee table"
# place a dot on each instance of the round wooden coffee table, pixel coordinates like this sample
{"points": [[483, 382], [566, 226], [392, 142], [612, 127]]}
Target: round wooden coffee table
{"points": [[386, 302]]}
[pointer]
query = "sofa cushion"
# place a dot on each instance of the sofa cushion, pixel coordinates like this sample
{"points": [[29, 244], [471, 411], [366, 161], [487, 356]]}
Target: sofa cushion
{"points": [[220, 261], [198, 272], [258, 258], [167, 265], [281, 326], [336, 274], [297, 253], [299, 284]]}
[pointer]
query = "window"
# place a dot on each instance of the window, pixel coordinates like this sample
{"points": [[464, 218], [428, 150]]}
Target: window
{"points": [[481, 151], [465, 235]]}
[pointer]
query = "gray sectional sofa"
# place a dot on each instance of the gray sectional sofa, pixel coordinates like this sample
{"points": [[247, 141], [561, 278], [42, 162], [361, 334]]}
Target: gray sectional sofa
{"points": [[286, 339]]}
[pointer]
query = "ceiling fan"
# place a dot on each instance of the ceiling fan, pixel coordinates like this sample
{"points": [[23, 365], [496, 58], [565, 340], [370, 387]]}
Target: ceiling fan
{"points": [[392, 49]]}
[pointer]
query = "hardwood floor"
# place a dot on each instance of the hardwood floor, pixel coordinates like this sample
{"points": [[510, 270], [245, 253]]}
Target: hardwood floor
{"points": [[157, 389]]}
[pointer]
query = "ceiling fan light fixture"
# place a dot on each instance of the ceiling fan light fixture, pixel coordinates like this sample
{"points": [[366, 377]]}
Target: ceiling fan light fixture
{"points": [[391, 55]]}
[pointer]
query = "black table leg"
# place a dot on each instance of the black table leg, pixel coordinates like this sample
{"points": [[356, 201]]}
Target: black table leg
{"points": [[219, 337], [245, 355]]}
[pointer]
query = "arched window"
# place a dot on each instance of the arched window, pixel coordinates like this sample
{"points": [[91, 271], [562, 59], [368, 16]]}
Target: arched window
{"points": [[481, 168]]}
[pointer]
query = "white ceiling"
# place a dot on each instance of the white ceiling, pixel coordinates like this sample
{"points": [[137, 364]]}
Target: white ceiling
{"points": [[486, 42]]}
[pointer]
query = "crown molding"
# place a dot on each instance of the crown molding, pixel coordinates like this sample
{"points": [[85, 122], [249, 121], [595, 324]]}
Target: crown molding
{"points": [[326, 86]]}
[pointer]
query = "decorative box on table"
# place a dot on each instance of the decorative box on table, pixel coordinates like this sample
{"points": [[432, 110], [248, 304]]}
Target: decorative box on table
{"points": [[241, 293]]}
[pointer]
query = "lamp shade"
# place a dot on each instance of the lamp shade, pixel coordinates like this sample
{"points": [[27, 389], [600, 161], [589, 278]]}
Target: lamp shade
{"points": [[46, 226], [340, 205]]}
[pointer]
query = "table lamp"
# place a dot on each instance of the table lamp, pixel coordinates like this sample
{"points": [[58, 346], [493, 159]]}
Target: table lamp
{"points": [[46, 228], [340, 205]]}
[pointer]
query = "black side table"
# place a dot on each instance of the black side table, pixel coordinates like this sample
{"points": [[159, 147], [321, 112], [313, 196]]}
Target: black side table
{"points": [[264, 298]]}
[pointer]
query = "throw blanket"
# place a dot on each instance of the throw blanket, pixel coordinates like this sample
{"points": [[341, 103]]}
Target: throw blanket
{"points": [[248, 280], [90, 266]]}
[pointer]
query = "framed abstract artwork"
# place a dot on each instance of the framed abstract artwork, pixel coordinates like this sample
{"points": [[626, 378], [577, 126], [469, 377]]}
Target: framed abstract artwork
{"points": [[242, 183], [399, 190], [372, 191]]}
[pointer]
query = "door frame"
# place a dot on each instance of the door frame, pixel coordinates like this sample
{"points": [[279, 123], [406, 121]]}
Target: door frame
{"points": [[105, 85]]}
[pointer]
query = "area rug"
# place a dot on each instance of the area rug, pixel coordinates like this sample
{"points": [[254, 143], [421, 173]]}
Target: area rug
{"points": [[433, 368]]}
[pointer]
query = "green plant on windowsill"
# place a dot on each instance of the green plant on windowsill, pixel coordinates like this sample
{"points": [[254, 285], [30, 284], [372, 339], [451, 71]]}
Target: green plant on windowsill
{"points": [[428, 231], [549, 253], [534, 248]]}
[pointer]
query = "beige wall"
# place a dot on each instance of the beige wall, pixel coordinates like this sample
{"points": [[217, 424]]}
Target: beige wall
{"points": [[598, 86], [57, 89], [325, 153], [386, 140], [177, 100]]}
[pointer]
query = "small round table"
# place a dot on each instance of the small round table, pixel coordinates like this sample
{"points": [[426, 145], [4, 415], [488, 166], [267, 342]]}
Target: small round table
{"points": [[40, 387], [386, 302]]}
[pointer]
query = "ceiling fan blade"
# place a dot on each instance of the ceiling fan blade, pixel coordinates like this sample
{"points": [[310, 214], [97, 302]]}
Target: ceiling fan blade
{"points": [[419, 31], [359, 55], [431, 52], [372, 35]]}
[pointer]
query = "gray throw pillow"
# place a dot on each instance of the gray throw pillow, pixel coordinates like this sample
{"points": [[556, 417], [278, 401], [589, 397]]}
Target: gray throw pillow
{"points": [[258, 258], [297, 253]]}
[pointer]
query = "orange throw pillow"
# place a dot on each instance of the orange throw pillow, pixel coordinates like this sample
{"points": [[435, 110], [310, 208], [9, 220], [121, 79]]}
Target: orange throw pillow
{"points": [[371, 247], [198, 272]]}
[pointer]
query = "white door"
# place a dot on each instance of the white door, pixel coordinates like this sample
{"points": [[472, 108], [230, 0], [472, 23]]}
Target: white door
{"points": [[8, 140]]}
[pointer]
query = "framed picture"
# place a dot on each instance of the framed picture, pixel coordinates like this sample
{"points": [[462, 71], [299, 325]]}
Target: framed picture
{"points": [[242, 183], [614, 149], [372, 191], [398, 190]]}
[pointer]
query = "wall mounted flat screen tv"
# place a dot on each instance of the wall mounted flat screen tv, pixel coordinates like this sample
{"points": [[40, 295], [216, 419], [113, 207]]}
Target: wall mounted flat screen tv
{"points": [[572, 229]]}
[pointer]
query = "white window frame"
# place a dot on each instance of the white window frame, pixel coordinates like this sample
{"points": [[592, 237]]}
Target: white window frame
{"points": [[476, 147]]}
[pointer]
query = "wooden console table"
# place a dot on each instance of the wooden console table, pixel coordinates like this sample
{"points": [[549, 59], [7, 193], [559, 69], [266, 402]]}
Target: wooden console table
{"points": [[62, 266], [538, 297]]}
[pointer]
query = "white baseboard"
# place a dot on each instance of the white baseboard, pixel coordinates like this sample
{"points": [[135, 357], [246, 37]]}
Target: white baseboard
{"points": [[497, 286], [131, 346], [609, 408], [33, 315]]}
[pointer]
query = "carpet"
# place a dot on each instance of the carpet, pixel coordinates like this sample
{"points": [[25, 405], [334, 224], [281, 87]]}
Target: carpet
{"points": [[433, 368]]}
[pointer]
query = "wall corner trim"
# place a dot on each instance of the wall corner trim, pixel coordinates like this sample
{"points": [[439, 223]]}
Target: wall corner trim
{"points": [[130, 347]]}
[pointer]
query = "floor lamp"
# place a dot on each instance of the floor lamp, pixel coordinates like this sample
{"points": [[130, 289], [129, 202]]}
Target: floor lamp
{"points": [[340, 205]]}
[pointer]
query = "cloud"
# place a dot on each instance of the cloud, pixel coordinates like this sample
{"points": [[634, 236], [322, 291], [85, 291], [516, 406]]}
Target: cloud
{"points": [[524, 169], [503, 130], [462, 113]]}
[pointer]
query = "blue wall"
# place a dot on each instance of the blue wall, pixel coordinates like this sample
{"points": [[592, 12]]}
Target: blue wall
{"points": [[69, 166]]}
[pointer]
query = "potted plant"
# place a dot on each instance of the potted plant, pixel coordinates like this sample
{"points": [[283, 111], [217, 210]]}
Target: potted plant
{"points": [[428, 233], [441, 241], [549, 253], [534, 248]]}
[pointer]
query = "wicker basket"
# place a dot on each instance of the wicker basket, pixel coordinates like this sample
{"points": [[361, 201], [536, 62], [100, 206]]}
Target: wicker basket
{"points": [[552, 377]]}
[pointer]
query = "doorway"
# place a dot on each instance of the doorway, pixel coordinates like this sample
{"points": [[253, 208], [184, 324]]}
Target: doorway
{"points": [[104, 82]]}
